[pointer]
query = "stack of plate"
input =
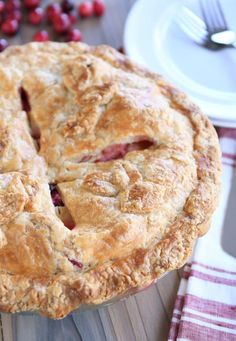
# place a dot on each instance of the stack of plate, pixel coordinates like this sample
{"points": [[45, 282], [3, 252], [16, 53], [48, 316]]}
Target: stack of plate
{"points": [[153, 38]]}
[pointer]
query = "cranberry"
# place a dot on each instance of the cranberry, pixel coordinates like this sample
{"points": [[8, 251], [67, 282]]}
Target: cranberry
{"points": [[61, 23], [73, 16], [2, 6], [67, 5], [10, 26], [69, 224], [52, 187], [41, 36], [11, 5], [25, 104], [16, 14], [98, 7], [74, 35], [36, 16], [56, 198], [76, 263], [31, 3], [86, 9], [3, 44], [53, 11]]}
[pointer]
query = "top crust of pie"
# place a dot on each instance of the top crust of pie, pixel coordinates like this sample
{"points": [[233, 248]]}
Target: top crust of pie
{"points": [[136, 217]]}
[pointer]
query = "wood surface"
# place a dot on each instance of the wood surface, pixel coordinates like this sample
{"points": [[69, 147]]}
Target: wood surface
{"points": [[141, 317]]}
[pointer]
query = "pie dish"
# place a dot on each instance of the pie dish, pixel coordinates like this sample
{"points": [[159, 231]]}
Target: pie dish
{"points": [[108, 176]]}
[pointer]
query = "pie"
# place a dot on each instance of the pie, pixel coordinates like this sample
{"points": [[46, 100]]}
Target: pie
{"points": [[108, 176]]}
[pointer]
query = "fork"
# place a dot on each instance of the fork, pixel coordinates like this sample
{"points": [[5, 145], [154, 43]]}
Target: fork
{"points": [[205, 34], [216, 24]]}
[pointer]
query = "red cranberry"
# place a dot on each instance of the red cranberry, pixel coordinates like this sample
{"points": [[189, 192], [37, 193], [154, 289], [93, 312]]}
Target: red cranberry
{"points": [[73, 16], [24, 96], [67, 5], [11, 5], [3, 44], [16, 14], [69, 224], [52, 187], [56, 198], [31, 3], [2, 6], [41, 36], [36, 16], [74, 35], [55, 195], [61, 23], [76, 263], [98, 7], [86, 9], [53, 11], [10, 26]]}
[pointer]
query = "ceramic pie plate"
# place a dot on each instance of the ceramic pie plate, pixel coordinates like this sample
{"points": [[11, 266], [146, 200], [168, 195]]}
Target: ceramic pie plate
{"points": [[114, 300]]}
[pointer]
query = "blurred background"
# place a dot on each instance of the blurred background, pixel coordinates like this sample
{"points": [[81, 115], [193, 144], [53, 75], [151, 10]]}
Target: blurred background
{"points": [[105, 26]]}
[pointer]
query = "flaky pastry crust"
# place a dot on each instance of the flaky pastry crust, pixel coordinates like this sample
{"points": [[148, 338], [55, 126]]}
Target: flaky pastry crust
{"points": [[134, 164]]}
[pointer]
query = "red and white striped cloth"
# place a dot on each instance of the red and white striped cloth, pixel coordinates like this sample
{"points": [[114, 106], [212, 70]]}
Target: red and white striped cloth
{"points": [[205, 308]]}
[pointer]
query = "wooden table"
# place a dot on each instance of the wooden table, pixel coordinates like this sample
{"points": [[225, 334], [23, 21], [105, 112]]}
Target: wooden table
{"points": [[144, 316]]}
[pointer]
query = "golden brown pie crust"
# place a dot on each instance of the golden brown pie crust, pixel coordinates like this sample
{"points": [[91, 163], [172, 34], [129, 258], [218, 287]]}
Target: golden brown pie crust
{"points": [[136, 217]]}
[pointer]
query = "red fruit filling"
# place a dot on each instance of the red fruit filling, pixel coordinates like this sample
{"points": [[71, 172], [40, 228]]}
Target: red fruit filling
{"points": [[56, 197], [113, 152], [118, 151], [76, 263], [69, 224], [24, 100]]}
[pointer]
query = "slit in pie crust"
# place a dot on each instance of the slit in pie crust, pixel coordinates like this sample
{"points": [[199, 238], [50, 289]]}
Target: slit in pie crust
{"points": [[134, 173]]}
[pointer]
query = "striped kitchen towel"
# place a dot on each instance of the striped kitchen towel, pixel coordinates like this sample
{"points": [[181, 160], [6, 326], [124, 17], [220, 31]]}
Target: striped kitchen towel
{"points": [[205, 308]]}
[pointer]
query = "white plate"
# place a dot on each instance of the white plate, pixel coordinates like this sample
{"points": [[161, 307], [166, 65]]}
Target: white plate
{"points": [[154, 39], [222, 123]]}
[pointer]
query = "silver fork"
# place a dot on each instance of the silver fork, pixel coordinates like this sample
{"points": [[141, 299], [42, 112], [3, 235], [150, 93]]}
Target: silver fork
{"points": [[216, 24], [198, 30]]}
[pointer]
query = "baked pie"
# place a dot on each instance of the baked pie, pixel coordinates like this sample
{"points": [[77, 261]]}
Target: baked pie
{"points": [[108, 176]]}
